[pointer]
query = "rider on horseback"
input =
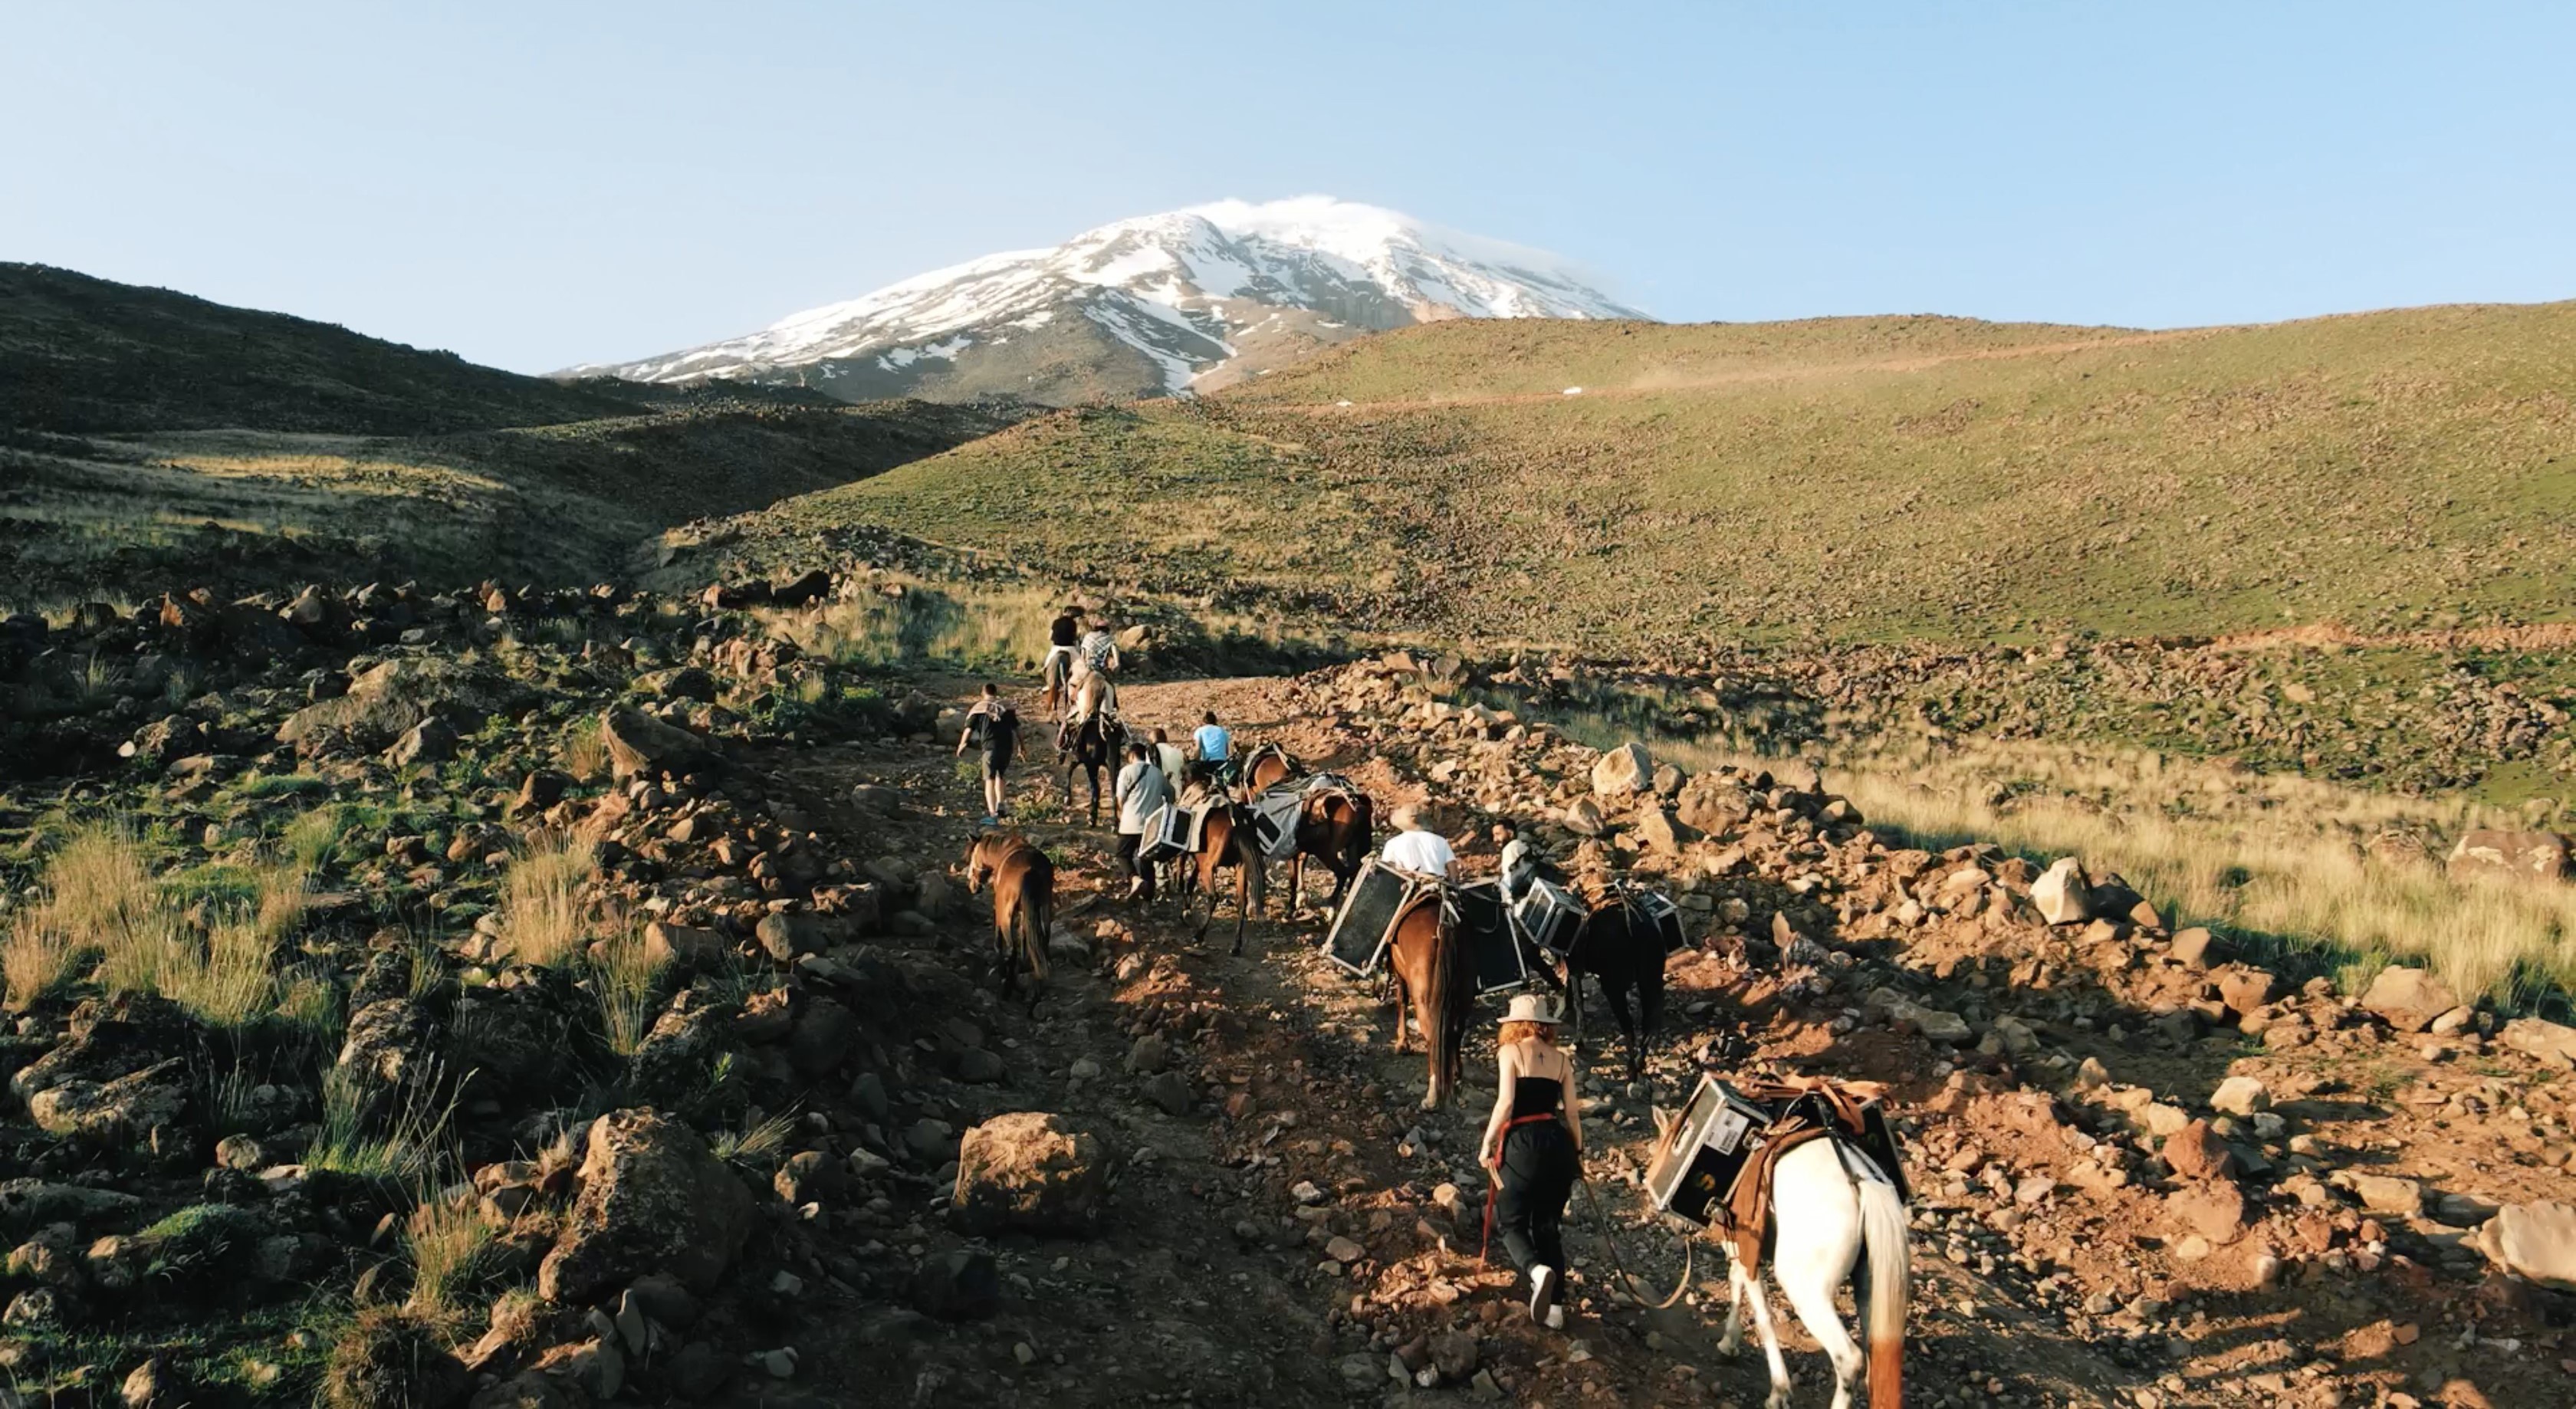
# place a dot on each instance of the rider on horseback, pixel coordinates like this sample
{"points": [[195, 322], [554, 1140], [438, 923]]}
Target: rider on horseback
{"points": [[1215, 749], [1062, 634], [1417, 848], [1095, 693]]}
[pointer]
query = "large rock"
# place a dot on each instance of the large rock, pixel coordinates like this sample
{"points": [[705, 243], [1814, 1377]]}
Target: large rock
{"points": [[2534, 1241], [391, 1050], [653, 1199], [27, 1204], [1936, 1025], [2554, 1043], [964, 1285], [2384, 1193], [127, 1108], [2215, 1210], [2063, 895], [388, 701], [1709, 804], [1624, 770], [641, 746], [1027, 1172], [1656, 831], [2527, 856], [2408, 999]]}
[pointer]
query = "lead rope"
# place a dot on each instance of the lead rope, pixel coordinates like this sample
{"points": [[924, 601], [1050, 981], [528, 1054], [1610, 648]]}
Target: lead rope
{"points": [[1603, 1218]]}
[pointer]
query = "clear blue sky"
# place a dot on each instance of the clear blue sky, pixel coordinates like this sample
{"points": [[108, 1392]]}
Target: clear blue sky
{"points": [[537, 184]]}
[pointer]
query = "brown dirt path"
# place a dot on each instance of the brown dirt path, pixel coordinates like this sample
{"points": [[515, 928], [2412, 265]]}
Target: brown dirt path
{"points": [[1211, 1285]]}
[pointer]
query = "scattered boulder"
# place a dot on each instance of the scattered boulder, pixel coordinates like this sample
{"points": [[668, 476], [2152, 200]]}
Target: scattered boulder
{"points": [[641, 746], [2196, 1152], [1027, 1172], [2553, 1043], [2062, 894], [2408, 999], [2214, 1210], [128, 1108], [2384, 1193], [1621, 771], [2534, 1241], [2526, 856], [653, 1198], [390, 700], [2240, 1096]]}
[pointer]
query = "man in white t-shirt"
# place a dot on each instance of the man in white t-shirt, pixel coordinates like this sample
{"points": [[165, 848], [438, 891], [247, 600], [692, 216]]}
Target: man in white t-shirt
{"points": [[1414, 848]]}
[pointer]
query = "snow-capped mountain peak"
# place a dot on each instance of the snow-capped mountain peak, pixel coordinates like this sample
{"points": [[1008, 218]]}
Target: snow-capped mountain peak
{"points": [[1159, 304]]}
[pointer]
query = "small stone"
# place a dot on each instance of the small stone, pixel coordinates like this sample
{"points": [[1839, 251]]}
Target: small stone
{"points": [[780, 1363], [2241, 1096]]}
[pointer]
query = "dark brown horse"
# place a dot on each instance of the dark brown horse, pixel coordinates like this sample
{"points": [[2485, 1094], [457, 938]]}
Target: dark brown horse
{"points": [[1434, 979], [1226, 841], [1337, 829], [1094, 748], [1621, 951], [1023, 904]]}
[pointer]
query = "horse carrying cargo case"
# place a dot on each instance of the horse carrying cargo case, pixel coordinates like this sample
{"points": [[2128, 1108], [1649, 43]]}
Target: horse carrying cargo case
{"points": [[1167, 833], [1376, 900], [1548, 918], [1716, 1136], [1660, 915], [1485, 933]]}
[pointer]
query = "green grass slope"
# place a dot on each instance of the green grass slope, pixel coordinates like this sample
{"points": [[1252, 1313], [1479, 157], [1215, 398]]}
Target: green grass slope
{"points": [[79, 354], [1852, 478]]}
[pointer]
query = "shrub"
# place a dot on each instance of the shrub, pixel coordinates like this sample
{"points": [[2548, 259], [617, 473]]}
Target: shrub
{"points": [[392, 1359], [542, 917]]}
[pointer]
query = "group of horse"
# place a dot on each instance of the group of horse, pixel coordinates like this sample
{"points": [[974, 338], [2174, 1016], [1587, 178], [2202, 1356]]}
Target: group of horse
{"points": [[1832, 1217]]}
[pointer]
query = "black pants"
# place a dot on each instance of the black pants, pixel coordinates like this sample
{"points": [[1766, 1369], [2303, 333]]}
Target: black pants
{"points": [[1130, 859], [1539, 1167]]}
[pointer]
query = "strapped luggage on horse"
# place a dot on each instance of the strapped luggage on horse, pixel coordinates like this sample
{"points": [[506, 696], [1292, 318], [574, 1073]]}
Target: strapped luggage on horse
{"points": [[1548, 918], [1171, 831], [1660, 915], [1476, 913], [1713, 1167], [1274, 820], [1379, 898]]}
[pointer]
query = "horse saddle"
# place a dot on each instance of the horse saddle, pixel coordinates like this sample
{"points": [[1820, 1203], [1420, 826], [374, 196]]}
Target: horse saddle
{"points": [[1274, 821], [1716, 1165]]}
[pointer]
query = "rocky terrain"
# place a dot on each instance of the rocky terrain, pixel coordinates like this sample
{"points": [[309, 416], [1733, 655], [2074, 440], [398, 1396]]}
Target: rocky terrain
{"points": [[546, 997]]}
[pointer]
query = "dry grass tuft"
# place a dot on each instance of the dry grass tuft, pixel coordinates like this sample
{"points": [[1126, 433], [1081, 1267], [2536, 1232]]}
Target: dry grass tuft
{"points": [[585, 749], [623, 977], [450, 1245], [543, 917]]}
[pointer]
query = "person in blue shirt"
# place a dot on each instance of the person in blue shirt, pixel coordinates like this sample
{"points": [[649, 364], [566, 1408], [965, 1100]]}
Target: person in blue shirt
{"points": [[1215, 746]]}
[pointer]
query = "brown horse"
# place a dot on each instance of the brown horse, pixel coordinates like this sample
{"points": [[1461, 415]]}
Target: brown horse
{"points": [[1023, 904], [1226, 840], [1336, 829], [1267, 767], [1433, 977]]}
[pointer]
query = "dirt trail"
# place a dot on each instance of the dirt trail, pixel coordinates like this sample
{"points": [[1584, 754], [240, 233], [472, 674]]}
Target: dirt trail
{"points": [[1213, 1285]]}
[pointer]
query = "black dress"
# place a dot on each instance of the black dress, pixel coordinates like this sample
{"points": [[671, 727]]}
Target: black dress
{"points": [[1539, 1169]]}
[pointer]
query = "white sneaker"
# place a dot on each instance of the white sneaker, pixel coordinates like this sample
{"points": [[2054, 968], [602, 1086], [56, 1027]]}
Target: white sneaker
{"points": [[1556, 1318], [1543, 1280]]}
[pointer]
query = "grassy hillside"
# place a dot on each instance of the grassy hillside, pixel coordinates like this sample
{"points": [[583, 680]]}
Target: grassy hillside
{"points": [[1852, 478], [151, 440], [79, 354]]}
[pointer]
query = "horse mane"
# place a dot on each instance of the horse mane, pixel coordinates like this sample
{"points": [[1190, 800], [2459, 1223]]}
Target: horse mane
{"points": [[1446, 979]]}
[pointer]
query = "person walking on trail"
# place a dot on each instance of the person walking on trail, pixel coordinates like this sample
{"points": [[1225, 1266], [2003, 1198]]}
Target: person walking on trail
{"points": [[1215, 747], [1168, 757], [1415, 847], [1142, 791], [995, 724], [1533, 1150]]}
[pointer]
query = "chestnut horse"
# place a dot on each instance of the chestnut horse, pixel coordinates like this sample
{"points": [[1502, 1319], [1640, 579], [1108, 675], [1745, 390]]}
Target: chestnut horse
{"points": [[1226, 840], [1023, 904], [1266, 768], [1432, 976]]}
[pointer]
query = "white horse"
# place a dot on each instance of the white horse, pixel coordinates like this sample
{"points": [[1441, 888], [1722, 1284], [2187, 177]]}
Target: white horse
{"points": [[1830, 1204]]}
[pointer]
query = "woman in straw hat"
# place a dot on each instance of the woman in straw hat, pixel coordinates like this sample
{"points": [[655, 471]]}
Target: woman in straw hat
{"points": [[1533, 1147]]}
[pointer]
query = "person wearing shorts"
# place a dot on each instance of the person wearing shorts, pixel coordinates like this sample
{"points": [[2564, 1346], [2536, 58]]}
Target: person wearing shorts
{"points": [[996, 726]]}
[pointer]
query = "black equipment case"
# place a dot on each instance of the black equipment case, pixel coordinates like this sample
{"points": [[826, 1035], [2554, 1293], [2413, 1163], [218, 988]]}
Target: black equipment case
{"points": [[1376, 900], [1661, 915], [1485, 932], [1548, 918]]}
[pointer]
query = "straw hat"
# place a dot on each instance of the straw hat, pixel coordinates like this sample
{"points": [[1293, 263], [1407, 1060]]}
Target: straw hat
{"points": [[1533, 1008]]}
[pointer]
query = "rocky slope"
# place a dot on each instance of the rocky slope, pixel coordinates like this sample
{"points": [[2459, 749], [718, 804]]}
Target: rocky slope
{"points": [[1190, 300], [632, 1042]]}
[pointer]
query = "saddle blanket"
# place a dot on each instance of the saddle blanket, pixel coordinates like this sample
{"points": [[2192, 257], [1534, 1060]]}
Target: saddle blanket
{"points": [[1274, 821]]}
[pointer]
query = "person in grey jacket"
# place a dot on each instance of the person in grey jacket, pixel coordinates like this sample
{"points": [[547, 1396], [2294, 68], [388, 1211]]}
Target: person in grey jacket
{"points": [[1141, 792]]}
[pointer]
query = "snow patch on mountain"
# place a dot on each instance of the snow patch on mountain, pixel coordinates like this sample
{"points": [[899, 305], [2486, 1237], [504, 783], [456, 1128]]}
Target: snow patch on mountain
{"points": [[1179, 288]]}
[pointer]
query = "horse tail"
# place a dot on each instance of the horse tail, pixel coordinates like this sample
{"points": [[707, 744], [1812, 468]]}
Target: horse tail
{"points": [[1037, 916], [1449, 1014], [1883, 1237]]}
